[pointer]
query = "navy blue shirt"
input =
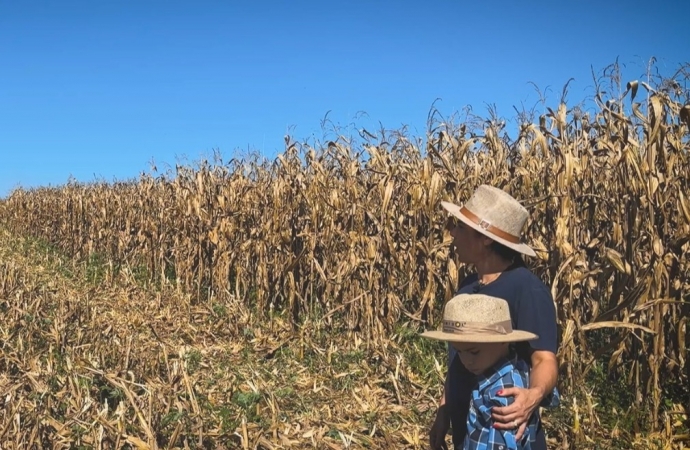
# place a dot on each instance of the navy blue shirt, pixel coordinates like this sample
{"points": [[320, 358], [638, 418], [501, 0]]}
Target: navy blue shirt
{"points": [[531, 309]]}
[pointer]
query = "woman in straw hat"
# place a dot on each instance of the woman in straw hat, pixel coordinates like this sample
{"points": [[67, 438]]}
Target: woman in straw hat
{"points": [[486, 233], [480, 330]]}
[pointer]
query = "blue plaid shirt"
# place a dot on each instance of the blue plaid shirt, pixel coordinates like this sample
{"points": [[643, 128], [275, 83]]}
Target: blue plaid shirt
{"points": [[481, 435]]}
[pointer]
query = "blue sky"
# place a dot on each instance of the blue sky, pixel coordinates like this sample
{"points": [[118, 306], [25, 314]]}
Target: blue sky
{"points": [[98, 89]]}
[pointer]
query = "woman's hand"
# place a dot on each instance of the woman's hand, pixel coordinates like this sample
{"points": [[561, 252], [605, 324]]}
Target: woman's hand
{"points": [[516, 415], [542, 381], [437, 434]]}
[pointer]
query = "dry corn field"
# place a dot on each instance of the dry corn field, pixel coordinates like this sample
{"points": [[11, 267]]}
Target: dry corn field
{"points": [[276, 304]]}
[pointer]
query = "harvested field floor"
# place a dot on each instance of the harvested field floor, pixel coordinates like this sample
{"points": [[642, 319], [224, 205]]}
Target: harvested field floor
{"points": [[89, 359]]}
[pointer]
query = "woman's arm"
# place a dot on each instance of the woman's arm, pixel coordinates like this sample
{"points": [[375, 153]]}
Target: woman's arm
{"points": [[544, 373], [543, 378]]}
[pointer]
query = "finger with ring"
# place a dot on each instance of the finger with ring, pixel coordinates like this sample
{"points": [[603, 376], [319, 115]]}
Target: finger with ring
{"points": [[515, 423]]}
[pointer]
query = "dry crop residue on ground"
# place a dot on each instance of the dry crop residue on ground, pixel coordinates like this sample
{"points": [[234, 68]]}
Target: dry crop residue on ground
{"points": [[102, 365], [109, 364]]}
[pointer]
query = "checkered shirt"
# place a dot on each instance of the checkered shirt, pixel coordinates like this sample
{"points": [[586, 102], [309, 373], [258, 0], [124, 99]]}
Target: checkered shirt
{"points": [[481, 435]]}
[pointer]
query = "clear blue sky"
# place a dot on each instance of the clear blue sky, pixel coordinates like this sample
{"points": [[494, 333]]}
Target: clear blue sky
{"points": [[97, 89]]}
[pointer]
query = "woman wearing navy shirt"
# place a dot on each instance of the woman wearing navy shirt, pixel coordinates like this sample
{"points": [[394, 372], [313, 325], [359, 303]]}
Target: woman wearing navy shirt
{"points": [[486, 233]]}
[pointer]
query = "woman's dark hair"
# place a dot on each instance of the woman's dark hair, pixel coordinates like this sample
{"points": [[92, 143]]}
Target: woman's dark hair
{"points": [[508, 254]]}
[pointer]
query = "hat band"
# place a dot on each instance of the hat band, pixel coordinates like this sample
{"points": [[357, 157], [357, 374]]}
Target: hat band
{"points": [[483, 224], [458, 327]]}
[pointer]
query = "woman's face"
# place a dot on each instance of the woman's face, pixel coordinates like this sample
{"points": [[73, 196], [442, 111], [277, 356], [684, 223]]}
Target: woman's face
{"points": [[470, 246]]}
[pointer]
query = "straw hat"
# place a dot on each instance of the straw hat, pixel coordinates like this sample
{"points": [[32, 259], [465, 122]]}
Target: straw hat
{"points": [[494, 213], [478, 318]]}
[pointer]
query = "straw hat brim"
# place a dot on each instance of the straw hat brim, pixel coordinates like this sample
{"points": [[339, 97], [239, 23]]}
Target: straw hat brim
{"points": [[455, 211], [481, 338]]}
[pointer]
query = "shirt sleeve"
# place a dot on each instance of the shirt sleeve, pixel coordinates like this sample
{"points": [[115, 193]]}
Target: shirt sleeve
{"points": [[536, 313], [490, 398], [499, 439]]}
